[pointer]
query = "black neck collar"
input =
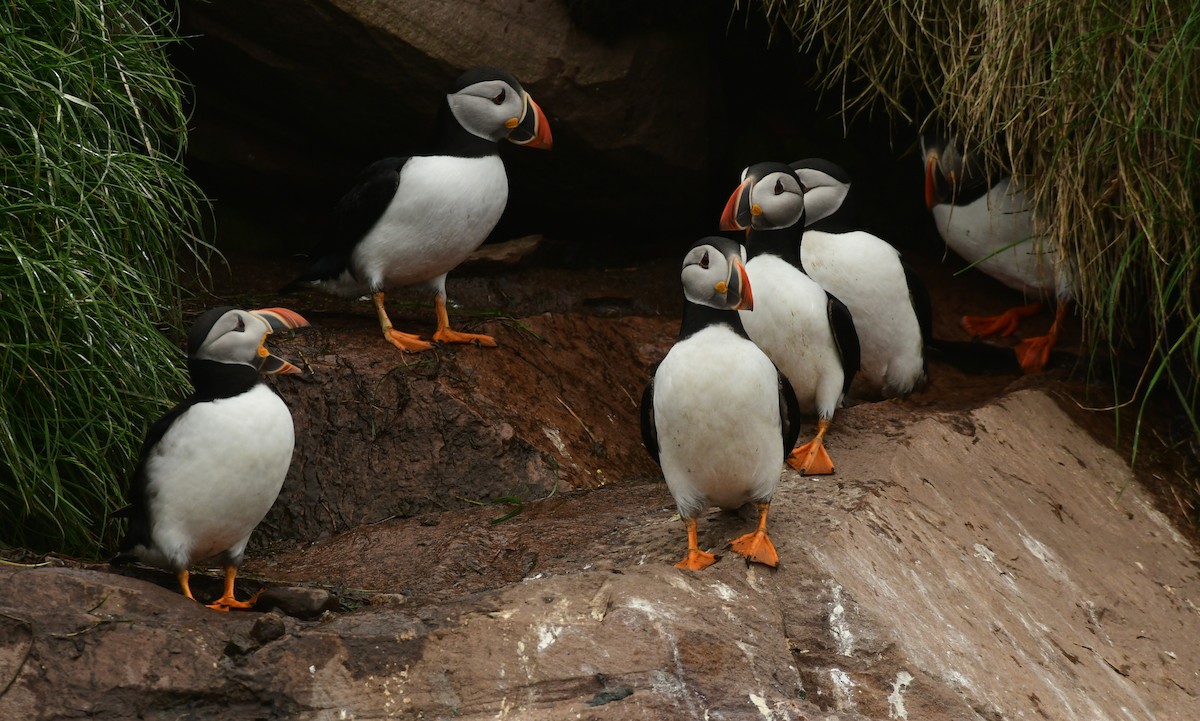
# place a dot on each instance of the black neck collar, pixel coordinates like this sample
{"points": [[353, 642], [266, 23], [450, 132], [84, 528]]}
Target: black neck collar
{"points": [[214, 380], [697, 317], [784, 242]]}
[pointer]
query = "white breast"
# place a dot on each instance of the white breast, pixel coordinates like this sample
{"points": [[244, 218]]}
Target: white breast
{"points": [[443, 210], [864, 272], [790, 322], [214, 475], [716, 409], [996, 234]]}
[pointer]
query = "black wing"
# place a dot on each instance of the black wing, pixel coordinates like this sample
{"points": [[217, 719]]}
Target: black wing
{"points": [[353, 216], [918, 293], [649, 432], [138, 510], [789, 414], [845, 337]]}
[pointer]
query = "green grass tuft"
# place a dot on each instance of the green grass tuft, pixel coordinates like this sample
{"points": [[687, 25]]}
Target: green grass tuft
{"points": [[94, 208]]}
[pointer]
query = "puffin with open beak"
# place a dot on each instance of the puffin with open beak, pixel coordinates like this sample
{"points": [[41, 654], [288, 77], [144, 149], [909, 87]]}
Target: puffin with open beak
{"points": [[717, 415], [411, 220], [989, 220], [211, 468], [808, 332]]}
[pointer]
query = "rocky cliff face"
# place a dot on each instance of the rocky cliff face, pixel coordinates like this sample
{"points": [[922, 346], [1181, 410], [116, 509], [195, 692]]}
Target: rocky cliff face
{"points": [[938, 580], [994, 563], [294, 98]]}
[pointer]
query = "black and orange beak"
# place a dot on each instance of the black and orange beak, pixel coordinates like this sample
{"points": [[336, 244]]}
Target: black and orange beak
{"points": [[932, 196], [739, 211], [737, 287], [278, 319], [531, 129]]}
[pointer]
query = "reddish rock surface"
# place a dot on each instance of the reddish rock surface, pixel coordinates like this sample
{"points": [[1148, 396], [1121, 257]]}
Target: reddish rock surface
{"points": [[498, 546]]}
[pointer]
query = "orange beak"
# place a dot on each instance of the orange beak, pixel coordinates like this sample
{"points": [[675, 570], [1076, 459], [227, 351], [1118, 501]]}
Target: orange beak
{"points": [[746, 296], [278, 319], [533, 130], [931, 194], [737, 215]]}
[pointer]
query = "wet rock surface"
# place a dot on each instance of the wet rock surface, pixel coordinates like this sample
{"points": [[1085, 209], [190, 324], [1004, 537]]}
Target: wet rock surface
{"points": [[477, 534]]}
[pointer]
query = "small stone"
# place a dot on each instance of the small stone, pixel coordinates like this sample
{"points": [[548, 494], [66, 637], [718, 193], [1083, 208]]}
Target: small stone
{"points": [[388, 600], [299, 602], [240, 645], [267, 628]]}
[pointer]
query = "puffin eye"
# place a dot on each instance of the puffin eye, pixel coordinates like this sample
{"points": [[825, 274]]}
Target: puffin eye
{"points": [[241, 326], [778, 187], [704, 260], [499, 99]]}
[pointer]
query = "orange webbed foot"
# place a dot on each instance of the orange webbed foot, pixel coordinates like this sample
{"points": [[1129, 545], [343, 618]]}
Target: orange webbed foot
{"points": [[445, 335], [756, 546], [228, 602], [1034, 353], [811, 459], [697, 560], [407, 342], [1004, 324]]}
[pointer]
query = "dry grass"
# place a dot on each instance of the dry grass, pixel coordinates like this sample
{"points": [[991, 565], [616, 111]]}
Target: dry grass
{"points": [[1095, 105]]}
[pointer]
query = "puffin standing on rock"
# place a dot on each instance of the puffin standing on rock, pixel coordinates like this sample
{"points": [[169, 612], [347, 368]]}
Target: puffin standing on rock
{"points": [[411, 220], [808, 332], [989, 221], [212, 467], [889, 304], [717, 415]]}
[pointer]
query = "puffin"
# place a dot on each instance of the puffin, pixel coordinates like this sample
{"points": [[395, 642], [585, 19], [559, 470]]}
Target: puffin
{"points": [[211, 468], [890, 306], [988, 219], [411, 220], [717, 415], [804, 328], [830, 207]]}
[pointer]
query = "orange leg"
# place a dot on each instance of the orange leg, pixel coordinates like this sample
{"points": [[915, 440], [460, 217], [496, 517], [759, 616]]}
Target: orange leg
{"points": [[227, 601], [757, 546], [811, 459], [1004, 324], [184, 587], [1033, 353], [404, 341], [445, 335], [695, 560]]}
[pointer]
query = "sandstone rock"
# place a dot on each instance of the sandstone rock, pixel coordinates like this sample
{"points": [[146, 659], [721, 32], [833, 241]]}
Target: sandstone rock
{"points": [[938, 576], [382, 435]]}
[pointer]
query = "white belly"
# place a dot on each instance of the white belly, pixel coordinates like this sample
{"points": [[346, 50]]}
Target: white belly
{"points": [[214, 475], [716, 409], [996, 234], [865, 273], [443, 210], [790, 322]]}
